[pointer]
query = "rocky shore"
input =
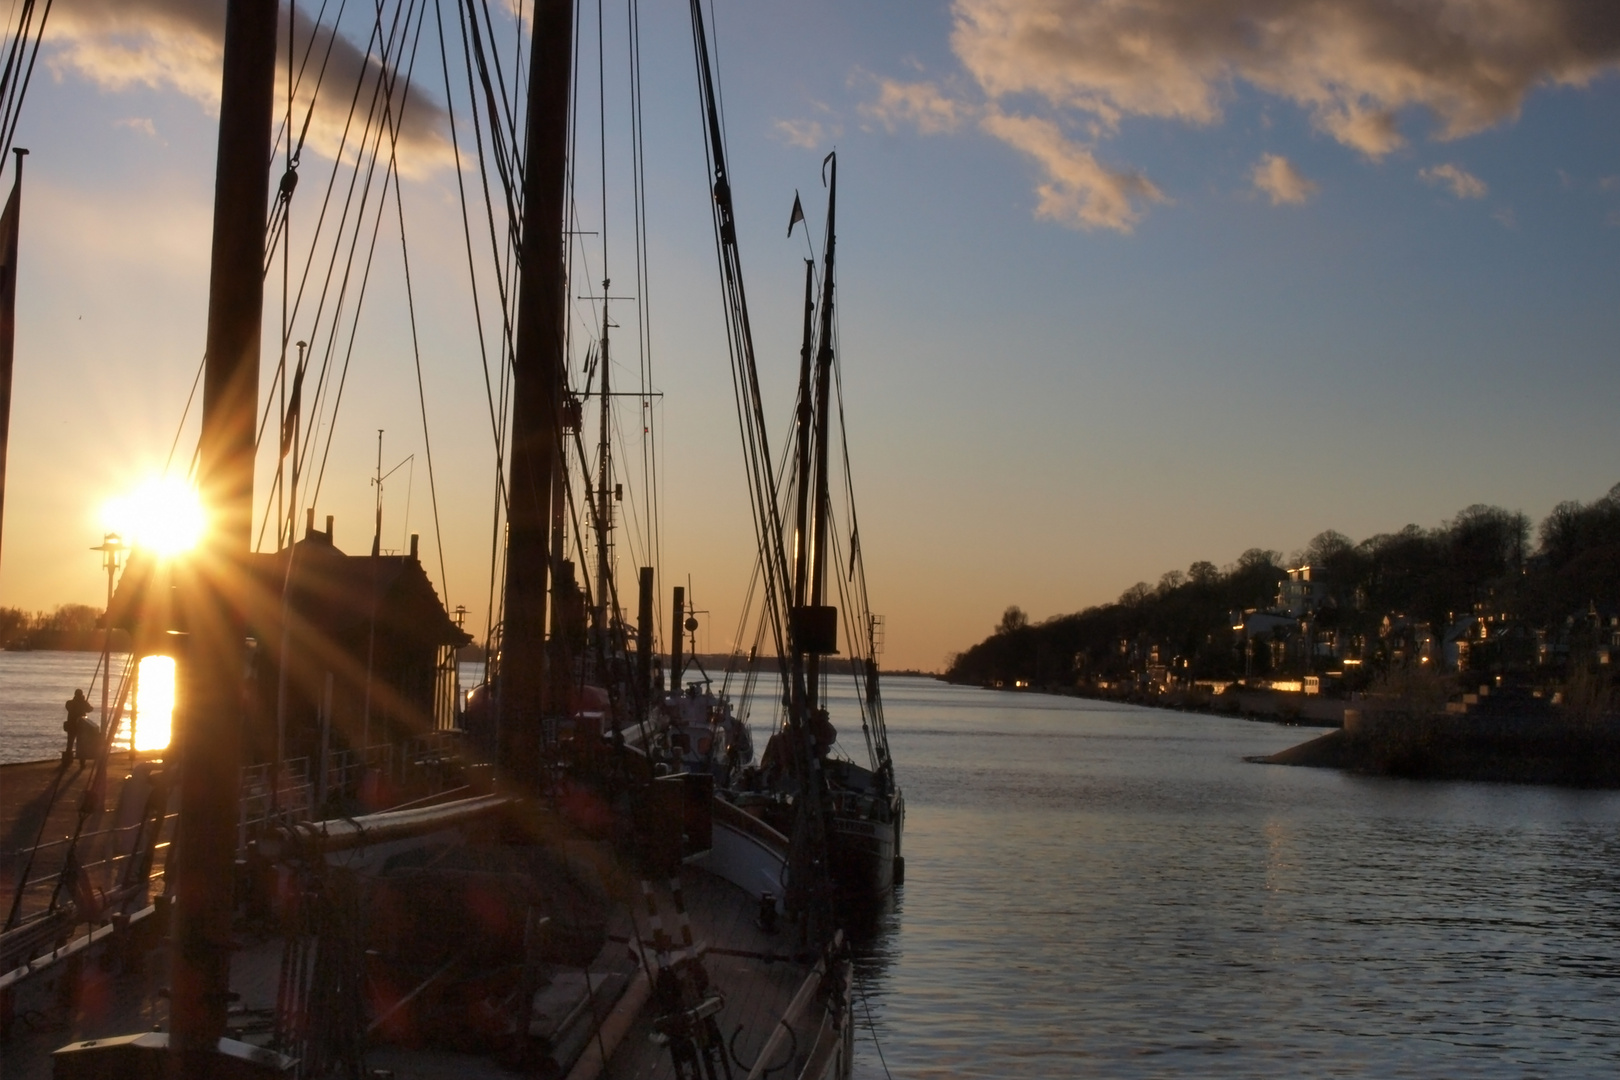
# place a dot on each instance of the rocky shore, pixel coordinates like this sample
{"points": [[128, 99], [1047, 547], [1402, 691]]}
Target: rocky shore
{"points": [[1443, 747]]}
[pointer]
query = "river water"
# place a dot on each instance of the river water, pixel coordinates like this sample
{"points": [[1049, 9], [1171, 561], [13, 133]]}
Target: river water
{"points": [[1103, 890]]}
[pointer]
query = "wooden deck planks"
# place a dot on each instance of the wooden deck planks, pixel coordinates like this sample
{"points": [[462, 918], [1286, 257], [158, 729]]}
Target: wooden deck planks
{"points": [[756, 991]]}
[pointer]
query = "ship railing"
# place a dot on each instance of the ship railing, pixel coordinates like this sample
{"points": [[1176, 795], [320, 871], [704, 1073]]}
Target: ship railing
{"points": [[346, 771], [100, 889], [289, 797]]}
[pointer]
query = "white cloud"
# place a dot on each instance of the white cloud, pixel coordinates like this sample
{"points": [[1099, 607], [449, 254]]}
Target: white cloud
{"points": [[1354, 65], [1275, 177], [1463, 184], [918, 104], [178, 45], [1078, 190], [1039, 68], [806, 133], [1506, 217]]}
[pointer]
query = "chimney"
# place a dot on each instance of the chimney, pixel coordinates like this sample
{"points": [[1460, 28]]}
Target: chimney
{"points": [[328, 528], [309, 522], [414, 538]]}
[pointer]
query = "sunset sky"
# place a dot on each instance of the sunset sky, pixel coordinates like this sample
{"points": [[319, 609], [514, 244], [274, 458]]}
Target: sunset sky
{"points": [[1124, 284]]}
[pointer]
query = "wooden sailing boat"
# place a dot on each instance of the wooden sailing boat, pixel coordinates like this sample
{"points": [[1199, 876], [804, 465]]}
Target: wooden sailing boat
{"points": [[561, 950], [866, 806], [865, 809]]}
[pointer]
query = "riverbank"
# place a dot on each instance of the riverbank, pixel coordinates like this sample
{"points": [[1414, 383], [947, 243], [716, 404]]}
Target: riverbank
{"points": [[1439, 748], [1302, 710]]}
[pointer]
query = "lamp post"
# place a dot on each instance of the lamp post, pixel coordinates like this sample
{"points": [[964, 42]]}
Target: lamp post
{"points": [[112, 548]]}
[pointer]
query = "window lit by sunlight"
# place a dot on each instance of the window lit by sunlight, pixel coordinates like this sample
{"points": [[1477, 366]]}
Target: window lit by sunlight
{"points": [[154, 703], [163, 515]]}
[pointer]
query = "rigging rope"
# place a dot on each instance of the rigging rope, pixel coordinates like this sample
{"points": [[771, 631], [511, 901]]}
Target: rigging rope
{"points": [[12, 89]]}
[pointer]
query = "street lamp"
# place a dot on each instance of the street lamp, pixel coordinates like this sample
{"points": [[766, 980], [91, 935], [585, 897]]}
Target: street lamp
{"points": [[112, 548]]}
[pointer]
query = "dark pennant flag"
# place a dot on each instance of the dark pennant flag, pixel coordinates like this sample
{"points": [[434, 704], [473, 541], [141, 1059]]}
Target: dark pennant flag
{"points": [[797, 215]]}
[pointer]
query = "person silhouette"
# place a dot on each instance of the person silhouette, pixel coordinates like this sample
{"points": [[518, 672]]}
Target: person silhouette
{"points": [[81, 733]]}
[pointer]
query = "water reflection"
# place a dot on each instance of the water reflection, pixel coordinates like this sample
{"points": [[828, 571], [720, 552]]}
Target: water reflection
{"points": [[1114, 891]]}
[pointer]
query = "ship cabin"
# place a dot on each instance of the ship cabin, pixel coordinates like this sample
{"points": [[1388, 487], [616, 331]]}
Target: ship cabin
{"points": [[353, 657]]}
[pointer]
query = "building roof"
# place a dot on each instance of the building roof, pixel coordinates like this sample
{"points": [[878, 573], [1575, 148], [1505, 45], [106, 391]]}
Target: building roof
{"points": [[335, 592]]}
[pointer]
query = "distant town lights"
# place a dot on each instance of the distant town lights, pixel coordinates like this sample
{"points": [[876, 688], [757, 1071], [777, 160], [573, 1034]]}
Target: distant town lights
{"points": [[163, 516]]}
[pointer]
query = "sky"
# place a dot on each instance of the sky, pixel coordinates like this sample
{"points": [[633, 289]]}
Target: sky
{"points": [[1124, 284]]}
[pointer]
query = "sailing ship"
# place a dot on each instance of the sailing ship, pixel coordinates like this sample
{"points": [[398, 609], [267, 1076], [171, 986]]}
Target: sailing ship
{"points": [[560, 908], [859, 809]]}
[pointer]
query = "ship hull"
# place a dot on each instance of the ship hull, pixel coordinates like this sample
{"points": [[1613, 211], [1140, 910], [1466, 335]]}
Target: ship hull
{"points": [[866, 855]]}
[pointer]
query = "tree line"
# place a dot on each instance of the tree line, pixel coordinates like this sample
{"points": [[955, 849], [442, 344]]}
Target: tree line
{"points": [[65, 626], [1555, 582]]}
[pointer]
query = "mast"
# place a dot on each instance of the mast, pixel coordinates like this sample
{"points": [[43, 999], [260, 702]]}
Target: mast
{"points": [[537, 379], [208, 729], [10, 226], [604, 494], [801, 523], [824, 359]]}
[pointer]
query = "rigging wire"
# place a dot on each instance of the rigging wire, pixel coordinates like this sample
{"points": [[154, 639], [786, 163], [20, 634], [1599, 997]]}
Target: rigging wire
{"points": [[496, 424], [377, 221], [13, 90], [416, 353]]}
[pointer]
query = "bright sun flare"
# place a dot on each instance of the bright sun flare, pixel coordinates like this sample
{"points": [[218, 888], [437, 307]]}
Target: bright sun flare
{"points": [[163, 515]]}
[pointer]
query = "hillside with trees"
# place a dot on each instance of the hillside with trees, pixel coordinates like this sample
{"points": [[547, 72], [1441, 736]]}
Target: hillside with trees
{"points": [[1479, 596]]}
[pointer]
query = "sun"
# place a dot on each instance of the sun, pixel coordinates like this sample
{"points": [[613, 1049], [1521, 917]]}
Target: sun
{"points": [[163, 516]]}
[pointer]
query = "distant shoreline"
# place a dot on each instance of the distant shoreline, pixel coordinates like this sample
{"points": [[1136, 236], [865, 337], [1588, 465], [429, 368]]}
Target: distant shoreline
{"points": [[90, 641], [1270, 706]]}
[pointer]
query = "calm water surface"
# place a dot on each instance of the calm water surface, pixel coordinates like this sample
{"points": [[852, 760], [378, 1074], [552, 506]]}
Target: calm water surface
{"points": [[1096, 890], [34, 688]]}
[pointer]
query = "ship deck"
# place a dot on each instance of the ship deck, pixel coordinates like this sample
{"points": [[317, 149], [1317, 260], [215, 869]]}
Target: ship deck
{"points": [[110, 990]]}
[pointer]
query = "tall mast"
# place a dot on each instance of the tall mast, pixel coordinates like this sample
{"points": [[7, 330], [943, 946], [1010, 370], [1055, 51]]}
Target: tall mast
{"points": [[208, 728], [537, 380], [604, 494], [801, 522], [10, 228], [824, 359]]}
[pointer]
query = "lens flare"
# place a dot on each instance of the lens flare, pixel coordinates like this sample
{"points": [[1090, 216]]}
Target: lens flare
{"points": [[163, 516], [154, 703]]}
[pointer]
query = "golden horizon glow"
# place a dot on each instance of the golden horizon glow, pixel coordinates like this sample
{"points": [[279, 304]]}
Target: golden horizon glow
{"points": [[163, 515], [154, 703]]}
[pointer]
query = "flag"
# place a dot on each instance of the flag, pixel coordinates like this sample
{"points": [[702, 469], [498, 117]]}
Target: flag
{"points": [[289, 423], [797, 215], [8, 314]]}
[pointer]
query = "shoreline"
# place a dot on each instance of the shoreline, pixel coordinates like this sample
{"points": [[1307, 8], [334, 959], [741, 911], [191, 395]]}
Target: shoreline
{"points": [[1548, 753], [1564, 757], [1261, 706]]}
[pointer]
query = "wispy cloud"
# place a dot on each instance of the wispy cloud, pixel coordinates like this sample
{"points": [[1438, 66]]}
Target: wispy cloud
{"points": [[1275, 177], [178, 45], [142, 124], [1463, 184], [1505, 216], [806, 133], [1077, 190], [921, 105]]}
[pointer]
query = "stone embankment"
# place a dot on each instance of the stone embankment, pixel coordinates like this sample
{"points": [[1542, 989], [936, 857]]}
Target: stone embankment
{"points": [[1533, 746]]}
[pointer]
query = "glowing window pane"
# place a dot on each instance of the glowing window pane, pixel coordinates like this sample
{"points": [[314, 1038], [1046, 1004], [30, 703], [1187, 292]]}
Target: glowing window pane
{"points": [[154, 703]]}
